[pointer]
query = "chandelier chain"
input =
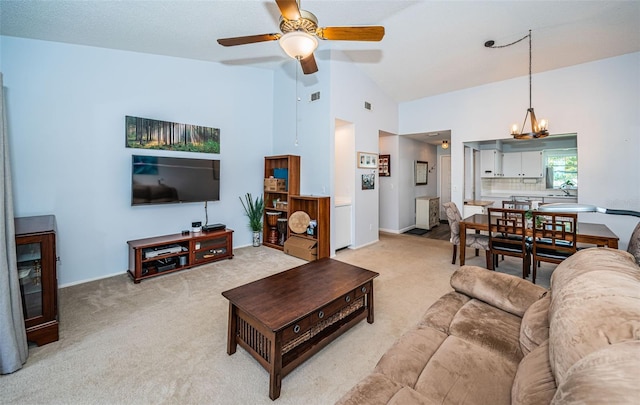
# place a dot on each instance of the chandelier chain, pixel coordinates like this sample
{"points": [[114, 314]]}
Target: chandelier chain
{"points": [[538, 130], [530, 103]]}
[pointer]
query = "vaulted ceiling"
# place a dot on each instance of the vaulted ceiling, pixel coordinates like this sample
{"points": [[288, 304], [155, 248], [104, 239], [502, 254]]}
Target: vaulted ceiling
{"points": [[430, 47]]}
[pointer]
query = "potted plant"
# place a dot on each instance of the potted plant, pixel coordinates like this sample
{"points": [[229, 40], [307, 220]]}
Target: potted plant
{"points": [[254, 210], [528, 216]]}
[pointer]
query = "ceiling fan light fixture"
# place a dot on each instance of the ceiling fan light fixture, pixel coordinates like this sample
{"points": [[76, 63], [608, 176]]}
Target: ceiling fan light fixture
{"points": [[298, 44], [445, 144]]}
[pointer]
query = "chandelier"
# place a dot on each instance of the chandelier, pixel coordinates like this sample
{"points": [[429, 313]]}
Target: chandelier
{"points": [[538, 128]]}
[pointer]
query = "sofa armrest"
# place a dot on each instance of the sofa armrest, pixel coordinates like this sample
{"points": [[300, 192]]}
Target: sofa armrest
{"points": [[504, 291]]}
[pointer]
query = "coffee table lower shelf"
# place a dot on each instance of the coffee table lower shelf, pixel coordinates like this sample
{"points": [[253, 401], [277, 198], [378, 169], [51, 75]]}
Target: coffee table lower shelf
{"points": [[262, 343], [284, 319]]}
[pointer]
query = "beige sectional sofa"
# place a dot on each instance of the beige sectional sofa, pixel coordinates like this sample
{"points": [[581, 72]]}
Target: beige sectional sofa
{"points": [[499, 339]]}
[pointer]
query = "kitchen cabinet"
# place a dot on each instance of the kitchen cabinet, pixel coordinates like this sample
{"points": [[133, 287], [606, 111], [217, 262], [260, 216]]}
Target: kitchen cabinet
{"points": [[522, 164], [490, 163], [427, 212]]}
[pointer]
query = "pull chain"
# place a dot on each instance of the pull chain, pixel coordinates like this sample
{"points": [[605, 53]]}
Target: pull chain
{"points": [[297, 101]]}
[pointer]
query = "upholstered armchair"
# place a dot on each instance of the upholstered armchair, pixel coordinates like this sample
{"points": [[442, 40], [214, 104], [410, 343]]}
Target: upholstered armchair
{"points": [[634, 243], [473, 240]]}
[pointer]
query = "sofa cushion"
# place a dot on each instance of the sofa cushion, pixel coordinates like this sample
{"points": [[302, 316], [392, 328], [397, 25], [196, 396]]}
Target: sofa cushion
{"points": [[374, 389], [606, 376], [589, 260], [504, 291], [405, 360], [461, 372], [489, 327], [534, 383], [410, 396], [534, 328], [441, 313], [592, 309]]}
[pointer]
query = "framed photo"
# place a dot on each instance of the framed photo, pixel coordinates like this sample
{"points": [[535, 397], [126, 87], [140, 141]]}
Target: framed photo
{"points": [[367, 160], [422, 170], [384, 166], [368, 181]]}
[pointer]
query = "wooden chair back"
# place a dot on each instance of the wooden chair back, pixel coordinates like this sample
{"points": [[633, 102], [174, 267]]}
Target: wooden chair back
{"points": [[507, 235], [554, 236]]}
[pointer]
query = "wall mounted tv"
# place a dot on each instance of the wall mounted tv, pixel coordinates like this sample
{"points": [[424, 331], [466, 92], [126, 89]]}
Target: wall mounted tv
{"points": [[167, 180]]}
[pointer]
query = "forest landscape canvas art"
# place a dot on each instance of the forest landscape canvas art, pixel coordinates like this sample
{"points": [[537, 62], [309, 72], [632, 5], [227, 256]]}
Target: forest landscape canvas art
{"points": [[146, 133]]}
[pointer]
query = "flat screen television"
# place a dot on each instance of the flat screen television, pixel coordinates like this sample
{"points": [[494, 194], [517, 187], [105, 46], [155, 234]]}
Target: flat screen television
{"points": [[170, 180]]}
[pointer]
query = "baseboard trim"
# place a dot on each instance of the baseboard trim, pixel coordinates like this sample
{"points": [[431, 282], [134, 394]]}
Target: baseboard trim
{"points": [[88, 280]]}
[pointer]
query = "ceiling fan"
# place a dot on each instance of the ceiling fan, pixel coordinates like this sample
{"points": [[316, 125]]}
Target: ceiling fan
{"points": [[300, 32]]}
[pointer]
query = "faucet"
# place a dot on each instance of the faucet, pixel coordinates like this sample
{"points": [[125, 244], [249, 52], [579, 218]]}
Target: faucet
{"points": [[564, 186]]}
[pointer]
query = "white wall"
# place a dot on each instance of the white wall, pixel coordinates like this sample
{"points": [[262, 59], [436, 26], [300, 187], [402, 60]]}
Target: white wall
{"points": [[350, 88], [309, 119], [599, 101], [388, 215], [65, 110]]}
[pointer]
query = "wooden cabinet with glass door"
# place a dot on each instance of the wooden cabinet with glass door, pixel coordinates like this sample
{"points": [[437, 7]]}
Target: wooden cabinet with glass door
{"points": [[277, 211], [36, 254]]}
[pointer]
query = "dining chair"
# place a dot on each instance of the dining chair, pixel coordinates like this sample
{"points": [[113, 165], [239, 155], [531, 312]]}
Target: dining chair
{"points": [[515, 205], [507, 236], [473, 240], [634, 243], [554, 237]]}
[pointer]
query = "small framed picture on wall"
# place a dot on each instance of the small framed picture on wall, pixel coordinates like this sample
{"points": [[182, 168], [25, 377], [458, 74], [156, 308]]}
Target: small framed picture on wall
{"points": [[384, 165], [367, 160], [368, 181]]}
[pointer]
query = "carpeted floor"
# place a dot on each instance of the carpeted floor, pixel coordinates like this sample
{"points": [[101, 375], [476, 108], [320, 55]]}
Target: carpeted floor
{"points": [[164, 340]]}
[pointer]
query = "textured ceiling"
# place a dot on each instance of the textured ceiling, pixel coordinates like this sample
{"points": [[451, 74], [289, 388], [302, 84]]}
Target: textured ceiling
{"points": [[430, 47]]}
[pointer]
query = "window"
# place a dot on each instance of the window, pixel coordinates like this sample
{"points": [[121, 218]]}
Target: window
{"points": [[562, 168]]}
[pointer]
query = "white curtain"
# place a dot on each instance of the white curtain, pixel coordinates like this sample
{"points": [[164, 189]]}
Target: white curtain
{"points": [[13, 337]]}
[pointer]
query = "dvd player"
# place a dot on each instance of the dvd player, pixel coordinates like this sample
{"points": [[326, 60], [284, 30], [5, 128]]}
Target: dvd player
{"points": [[163, 251], [214, 227]]}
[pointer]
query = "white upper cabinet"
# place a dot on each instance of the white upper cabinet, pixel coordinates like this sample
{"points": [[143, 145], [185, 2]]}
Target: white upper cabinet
{"points": [[490, 163], [523, 164]]}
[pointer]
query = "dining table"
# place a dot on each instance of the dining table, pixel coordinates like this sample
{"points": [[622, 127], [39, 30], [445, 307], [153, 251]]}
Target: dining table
{"points": [[595, 234]]}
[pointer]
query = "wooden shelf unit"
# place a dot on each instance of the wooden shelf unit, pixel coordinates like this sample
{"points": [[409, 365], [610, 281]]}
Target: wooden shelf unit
{"points": [[318, 209], [195, 249], [292, 164]]}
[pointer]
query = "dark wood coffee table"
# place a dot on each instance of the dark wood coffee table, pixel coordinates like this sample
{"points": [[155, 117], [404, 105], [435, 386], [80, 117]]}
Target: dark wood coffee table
{"points": [[284, 319]]}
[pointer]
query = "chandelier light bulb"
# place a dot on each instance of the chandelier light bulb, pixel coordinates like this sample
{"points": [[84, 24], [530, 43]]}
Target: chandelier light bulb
{"points": [[543, 125], [514, 129]]}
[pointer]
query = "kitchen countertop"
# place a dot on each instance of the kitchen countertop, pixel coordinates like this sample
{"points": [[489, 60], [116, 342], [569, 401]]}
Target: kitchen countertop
{"points": [[480, 203]]}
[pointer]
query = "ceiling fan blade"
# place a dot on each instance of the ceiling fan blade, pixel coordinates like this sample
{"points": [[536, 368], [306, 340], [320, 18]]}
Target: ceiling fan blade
{"points": [[289, 9], [248, 39], [371, 33], [309, 65]]}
